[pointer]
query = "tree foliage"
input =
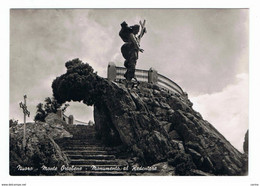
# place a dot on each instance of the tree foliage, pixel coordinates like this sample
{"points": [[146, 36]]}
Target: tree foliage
{"points": [[79, 83], [13, 122], [51, 106]]}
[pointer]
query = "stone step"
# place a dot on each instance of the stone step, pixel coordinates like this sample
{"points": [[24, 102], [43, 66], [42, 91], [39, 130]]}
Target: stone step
{"points": [[84, 137], [86, 128], [89, 136], [80, 132], [82, 146], [88, 152], [94, 156], [81, 141], [95, 162], [99, 173], [97, 148], [76, 128], [77, 139], [79, 147]]}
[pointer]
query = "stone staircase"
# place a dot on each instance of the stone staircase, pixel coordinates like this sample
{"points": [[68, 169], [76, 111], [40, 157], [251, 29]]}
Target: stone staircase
{"points": [[88, 156]]}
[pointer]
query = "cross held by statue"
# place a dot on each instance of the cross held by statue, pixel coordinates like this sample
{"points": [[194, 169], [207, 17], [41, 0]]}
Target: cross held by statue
{"points": [[25, 112]]}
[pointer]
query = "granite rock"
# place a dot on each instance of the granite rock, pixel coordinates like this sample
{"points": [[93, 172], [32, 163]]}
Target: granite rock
{"points": [[41, 148], [138, 119]]}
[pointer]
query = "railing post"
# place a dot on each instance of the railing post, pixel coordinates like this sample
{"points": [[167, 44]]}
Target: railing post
{"points": [[71, 119], [59, 113], [152, 76], [111, 71]]}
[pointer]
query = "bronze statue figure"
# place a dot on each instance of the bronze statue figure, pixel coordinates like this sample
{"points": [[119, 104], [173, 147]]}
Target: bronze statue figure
{"points": [[131, 47]]}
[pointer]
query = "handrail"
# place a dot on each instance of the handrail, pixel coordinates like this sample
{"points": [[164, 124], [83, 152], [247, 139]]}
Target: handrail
{"points": [[143, 75], [80, 122], [75, 121], [175, 86]]}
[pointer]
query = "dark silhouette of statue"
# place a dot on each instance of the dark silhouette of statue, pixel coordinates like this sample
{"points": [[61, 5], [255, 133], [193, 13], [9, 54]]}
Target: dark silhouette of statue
{"points": [[131, 47]]}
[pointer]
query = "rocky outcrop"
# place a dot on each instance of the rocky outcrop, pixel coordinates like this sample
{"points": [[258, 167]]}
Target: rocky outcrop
{"points": [[245, 144], [41, 150], [155, 124], [245, 148]]}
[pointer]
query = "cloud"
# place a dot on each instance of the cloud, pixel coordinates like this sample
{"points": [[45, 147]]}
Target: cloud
{"points": [[80, 111], [227, 110], [185, 45]]}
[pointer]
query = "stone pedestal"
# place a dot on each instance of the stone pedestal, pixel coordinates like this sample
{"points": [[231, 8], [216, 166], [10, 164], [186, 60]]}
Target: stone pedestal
{"points": [[59, 113], [71, 120], [152, 76], [111, 71]]}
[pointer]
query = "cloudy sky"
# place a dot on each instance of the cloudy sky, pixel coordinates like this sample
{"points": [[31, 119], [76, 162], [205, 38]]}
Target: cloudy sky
{"points": [[205, 51]]}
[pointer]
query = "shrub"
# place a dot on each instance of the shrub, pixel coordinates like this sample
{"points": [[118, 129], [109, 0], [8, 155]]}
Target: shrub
{"points": [[13, 122], [51, 106]]}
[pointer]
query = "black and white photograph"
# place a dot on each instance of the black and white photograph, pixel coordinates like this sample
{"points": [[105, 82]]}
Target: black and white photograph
{"points": [[129, 92]]}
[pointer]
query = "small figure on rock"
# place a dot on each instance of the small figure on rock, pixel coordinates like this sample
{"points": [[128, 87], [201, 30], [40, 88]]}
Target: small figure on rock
{"points": [[131, 47]]}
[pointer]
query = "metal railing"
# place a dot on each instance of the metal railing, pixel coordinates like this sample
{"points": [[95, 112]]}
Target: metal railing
{"points": [[66, 118], [169, 84], [140, 75], [80, 122], [143, 76]]}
